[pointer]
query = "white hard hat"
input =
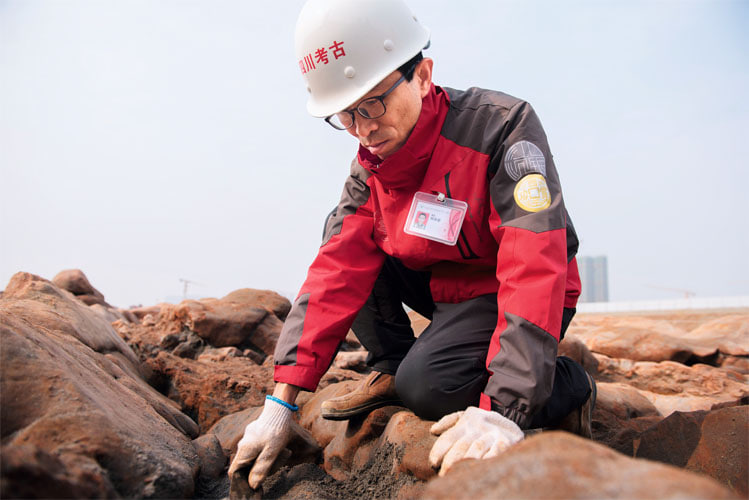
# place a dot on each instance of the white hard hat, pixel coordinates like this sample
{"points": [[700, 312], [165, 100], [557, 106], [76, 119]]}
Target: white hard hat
{"points": [[346, 47]]}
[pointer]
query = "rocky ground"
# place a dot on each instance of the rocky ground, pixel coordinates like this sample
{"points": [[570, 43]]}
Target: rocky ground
{"points": [[150, 402]]}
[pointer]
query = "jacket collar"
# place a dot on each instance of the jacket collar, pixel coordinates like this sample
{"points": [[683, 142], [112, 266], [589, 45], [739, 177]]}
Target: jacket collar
{"points": [[406, 167]]}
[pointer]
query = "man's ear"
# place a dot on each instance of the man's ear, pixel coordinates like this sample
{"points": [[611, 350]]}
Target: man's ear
{"points": [[423, 74]]}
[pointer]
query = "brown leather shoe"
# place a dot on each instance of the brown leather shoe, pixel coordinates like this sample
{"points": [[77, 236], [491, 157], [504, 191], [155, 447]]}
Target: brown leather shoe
{"points": [[375, 391], [580, 421]]}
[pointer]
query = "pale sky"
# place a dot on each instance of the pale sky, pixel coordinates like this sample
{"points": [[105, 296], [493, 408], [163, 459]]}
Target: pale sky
{"points": [[147, 141]]}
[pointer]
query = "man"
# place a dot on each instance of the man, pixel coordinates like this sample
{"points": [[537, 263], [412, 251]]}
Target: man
{"points": [[494, 270], [421, 221]]}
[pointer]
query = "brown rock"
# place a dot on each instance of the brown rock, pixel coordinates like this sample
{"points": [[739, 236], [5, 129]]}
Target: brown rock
{"points": [[28, 471], [121, 370], [351, 343], [622, 435], [91, 300], [736, 363], [412, 441], [723, 450], [673, 439], [109, 315], [352, 448], [713, 443], [729, 334], [373, 480], [574, 348], [309, 414], [39, 302], [418, 322], [621, 414], [81, 403], [75, 282], [275, 303], [207, 383], [240, 487], [142, 312], [352, 360], [673, 386], [302, 448], [149, 320], [212, 458], [207, 391], [224, 323], [127, 316], [624, 401], [229, 429], [642, 339], [335, 375], [682, 336], [221, 324], [189, 347], [256, 357], [220, 354], [266, 335], [560, 465], [245, 319]]}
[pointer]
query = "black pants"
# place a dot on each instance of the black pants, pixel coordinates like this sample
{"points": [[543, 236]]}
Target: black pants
{"points": [[444, 370]]}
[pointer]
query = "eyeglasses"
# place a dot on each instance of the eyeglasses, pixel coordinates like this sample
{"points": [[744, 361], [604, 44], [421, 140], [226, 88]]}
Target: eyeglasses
{"points": [[371, 108]]}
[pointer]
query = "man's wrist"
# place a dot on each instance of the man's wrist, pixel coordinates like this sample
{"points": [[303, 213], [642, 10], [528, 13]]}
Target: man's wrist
{"points": [[281, 402], [286, 392]]}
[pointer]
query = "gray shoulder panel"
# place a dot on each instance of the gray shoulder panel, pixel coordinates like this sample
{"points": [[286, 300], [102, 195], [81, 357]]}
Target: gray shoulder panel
{"points": [[508, 130], [355, 194], [477, 118], [523, 150]]}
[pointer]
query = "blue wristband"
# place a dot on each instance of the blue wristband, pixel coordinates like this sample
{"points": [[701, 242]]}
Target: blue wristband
{"points": [[282, 403]]}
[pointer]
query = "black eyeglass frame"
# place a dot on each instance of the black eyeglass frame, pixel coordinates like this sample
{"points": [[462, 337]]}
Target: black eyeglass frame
{"points": [[380, 98]]}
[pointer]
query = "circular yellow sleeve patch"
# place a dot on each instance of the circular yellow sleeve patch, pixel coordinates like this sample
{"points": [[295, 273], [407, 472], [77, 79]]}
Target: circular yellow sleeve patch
{"points": [[532, 193]]}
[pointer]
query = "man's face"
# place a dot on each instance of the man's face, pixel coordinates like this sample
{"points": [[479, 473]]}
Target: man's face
{"points": [[383, 136]]}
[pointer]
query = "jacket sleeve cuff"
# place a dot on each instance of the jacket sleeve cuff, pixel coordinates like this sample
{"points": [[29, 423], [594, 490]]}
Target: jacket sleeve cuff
{"points": [[302, 377], [522, 419]]}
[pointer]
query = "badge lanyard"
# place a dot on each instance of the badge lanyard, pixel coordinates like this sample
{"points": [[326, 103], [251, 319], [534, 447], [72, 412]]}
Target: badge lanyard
{"points": [[436, 217]]}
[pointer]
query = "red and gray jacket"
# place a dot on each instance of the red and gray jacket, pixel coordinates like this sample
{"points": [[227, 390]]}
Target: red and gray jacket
{"points": [[485, 148]]}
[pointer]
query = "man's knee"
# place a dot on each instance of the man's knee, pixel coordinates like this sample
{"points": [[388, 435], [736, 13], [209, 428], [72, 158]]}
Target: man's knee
{"points": [[433, 392]]}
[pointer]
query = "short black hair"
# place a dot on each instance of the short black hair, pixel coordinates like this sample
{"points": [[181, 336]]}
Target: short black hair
{"points": [[409, 66]]}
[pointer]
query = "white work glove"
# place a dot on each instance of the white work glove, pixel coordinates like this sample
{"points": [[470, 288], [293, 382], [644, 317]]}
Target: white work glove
{"points": [[472, 433], [263, 441]]}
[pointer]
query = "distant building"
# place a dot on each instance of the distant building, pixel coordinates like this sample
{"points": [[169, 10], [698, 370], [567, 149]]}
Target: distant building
{"points": [[594, 275]]}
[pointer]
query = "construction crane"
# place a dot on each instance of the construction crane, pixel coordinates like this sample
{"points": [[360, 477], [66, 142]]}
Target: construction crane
{"points": [[687, 293], [186, 284]]}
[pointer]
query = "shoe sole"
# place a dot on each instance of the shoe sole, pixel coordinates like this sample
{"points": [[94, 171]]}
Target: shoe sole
{"points": [[331, 414]]}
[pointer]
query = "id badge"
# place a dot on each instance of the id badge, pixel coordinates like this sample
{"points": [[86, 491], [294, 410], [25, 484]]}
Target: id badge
{"points": [[436, 217]]}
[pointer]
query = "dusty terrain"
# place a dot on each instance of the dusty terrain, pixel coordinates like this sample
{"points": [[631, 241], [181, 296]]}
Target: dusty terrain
{"points": [[150, 403]]}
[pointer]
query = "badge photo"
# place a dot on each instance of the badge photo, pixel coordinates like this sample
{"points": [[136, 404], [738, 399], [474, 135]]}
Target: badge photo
{"points": [[435, 217]]}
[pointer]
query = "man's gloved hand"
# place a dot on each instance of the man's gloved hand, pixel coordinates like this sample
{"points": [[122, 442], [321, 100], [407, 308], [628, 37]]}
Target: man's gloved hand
{"points": [[263, 441], [472, 433]]}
